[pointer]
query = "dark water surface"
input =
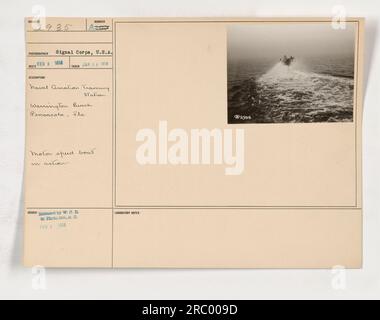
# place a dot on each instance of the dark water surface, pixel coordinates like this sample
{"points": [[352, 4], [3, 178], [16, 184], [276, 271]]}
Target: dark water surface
{"points": [[310, 90]]}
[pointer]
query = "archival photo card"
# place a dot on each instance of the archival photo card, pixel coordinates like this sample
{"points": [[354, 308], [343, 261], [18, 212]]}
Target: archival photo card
{"points": [[130, 161], [282, 72]]}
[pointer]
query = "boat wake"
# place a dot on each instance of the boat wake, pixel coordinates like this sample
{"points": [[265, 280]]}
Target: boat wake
{"points": [[293, 94]]}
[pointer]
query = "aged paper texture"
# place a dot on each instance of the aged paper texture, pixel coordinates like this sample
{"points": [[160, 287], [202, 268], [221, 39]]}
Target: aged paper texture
{"points": [[193, 143]]}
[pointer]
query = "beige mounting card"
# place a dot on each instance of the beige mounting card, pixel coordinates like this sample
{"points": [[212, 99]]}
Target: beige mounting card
{"points": [[193, 143]]}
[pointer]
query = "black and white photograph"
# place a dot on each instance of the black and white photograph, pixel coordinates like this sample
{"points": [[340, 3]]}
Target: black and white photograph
{"points": [[288, 72]]}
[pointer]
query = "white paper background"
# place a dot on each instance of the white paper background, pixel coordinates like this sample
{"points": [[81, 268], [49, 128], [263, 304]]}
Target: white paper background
{"points": [[16, 281]]}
